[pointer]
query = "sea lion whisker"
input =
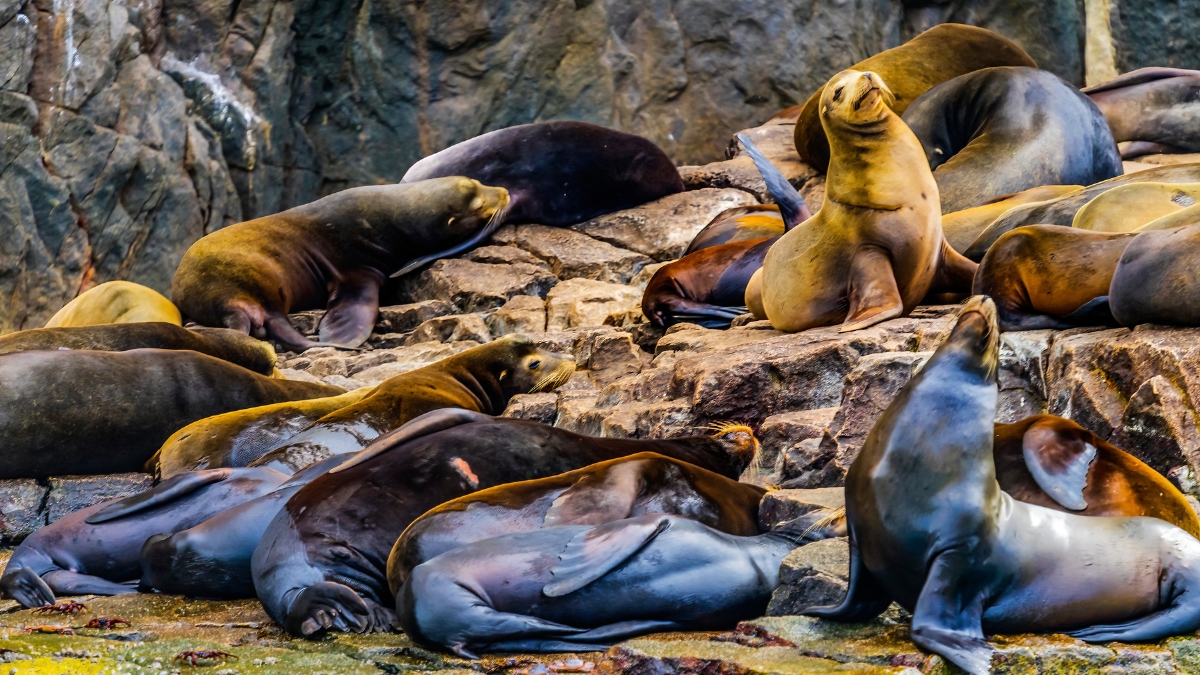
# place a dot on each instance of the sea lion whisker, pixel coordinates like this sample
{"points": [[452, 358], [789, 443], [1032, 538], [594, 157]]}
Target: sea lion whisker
{"points": [[829, 518]]}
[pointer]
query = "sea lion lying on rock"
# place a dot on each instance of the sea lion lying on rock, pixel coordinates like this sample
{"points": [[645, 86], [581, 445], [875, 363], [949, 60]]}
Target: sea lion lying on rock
{"points": [[116, 302], [1152, 110]]}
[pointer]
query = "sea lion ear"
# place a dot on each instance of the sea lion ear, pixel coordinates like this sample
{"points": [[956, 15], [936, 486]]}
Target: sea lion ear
{"points": [[1059, 459], [595, 500], [598, 551]]}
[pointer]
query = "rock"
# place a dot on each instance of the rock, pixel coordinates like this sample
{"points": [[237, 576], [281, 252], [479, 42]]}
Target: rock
{"points": [[21, 508], [577, 303], [521, 314], [505, 255], [1160, 426], [698, 655], [813, 575], [1023, 361], [403, 318], [573, 255], [472, 286], [663, 229], [71, 493], [377, 366], [451, 329], [790, 445], [540, 407], [1151, 34], [643, 277], [780, 506]]}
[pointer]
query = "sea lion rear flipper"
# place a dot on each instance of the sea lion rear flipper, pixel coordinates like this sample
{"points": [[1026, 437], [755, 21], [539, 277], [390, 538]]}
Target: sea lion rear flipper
{"points": [[167, 491], [1181, 618], [326, 605], [591, 640], [1059, 459], [595, 500], [431, 422], [873, 293], [65, 582], [948, 618], [282, 331], [865, 597], [352, 309], [596, 552], [1094, 312], [791, 205]]}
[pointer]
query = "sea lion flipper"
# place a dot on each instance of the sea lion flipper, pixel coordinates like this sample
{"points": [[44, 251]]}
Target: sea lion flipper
{"points": [[948, 617], [431, 422], [26, 587], [594, 553], [791, 205], [167, 491], [865, 597], [873, 293], [955, 274], [595, 500], [1059, 459], [351, 311]]}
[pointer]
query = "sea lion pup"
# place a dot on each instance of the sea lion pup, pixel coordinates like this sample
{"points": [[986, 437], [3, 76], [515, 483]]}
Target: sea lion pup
{"points": [[997, 131], [95, 550], [1153, 109], [608, 491], [321, 563], [334, 253], [559, 173], [1047, 276], [937, 55], [86, 412], [239, 437], [1061, 211], [962, 228], [1128, 207], [581, 588], [116, 302], [1155, 280], [931, 529], [483, 379], [876, 247], [225, 344]]}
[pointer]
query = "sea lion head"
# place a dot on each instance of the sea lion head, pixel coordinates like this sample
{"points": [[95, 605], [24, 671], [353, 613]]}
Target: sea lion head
{"points": [[739, 442], [528, 369], [974, 342], [472, 206], [856, 98]]}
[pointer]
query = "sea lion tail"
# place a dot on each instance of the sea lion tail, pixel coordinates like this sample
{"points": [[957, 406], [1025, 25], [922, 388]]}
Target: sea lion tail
{"points": [[167, 491], [791, 205], [494, 222]]}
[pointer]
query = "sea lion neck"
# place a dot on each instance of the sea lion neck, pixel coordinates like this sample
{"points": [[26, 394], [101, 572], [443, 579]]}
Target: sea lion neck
{"points": [[480, 372], [880, 165]]}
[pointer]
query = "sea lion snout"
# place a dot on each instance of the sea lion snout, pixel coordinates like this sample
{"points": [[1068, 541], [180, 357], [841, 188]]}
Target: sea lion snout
{"points": [[977, 333], [857, 97]]}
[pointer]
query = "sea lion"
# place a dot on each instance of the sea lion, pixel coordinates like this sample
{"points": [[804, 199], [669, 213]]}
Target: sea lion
{"points": [[741, 223], [1047, 276], [937, 55], [482, 379], [239, 437], [1153, 109], [95, 550], [1128, 207], [608, 491], [876, 247], [931, 529], [580, 588], [962, 228], [116, 302], [998, 131], [559, 173], [229, 345], [1155, 280], [321, 563], [334, 253], [87, 412], [1061, 211]]}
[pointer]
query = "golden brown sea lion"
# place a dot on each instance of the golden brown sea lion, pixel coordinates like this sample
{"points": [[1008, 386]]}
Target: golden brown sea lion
{"points": [[1129, 207], [116, 302], [335, 253], [876, 247], [962, 228]]}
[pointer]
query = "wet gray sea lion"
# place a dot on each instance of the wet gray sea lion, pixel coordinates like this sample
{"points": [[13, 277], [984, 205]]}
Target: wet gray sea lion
{"points": [[1156, 278], [1152, 109]]}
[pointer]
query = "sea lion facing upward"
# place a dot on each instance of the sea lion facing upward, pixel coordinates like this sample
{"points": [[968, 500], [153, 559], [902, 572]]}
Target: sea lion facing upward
{"points": [[322, 561], [876, 247], [116, 302], [1129, 207], [334, 253], [931, 529], [229, 345], [1156, 278], [962, 228], [482, 379], [1154, 109], [95, 550]]}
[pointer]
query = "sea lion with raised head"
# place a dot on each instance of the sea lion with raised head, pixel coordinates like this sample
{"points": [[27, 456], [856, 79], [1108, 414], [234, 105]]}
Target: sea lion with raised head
{"points": [[931, 529], [876, 247], [116, 302], [95, 550], [1154, 110], [87, 412], [334, 253], [1156, 278], [1129, 207], [321, 563]]}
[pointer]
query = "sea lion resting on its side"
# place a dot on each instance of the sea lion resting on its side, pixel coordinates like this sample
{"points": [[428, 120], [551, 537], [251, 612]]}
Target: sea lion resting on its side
{"points": [[116, 302]]}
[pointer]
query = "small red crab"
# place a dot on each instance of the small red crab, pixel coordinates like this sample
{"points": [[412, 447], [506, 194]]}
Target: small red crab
{"points": [[191, 657], [105, 622], [52, 628], [62, 608]]}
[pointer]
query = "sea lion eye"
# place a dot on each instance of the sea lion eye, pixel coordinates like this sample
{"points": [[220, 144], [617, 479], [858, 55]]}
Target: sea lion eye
{"points": [[535, 364], [837, 93]]}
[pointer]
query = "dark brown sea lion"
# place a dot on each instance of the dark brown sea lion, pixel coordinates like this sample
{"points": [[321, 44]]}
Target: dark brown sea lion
{"points": [[1156, 279], [931, 529], [95, 550], [86, 412], [334, 253], [997, 131], [707, 287], [1154, 109], [876, 248], [229, 345], [1047, 276], [116, 302], [741, 223], [322, 561], [939, 54], [601, 493], [482, 379]]}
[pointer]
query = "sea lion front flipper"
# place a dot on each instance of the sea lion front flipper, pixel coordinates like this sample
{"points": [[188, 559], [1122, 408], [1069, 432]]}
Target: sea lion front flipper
{"points": [[589, 641], [873, 293], [326, 605], [167, 491], [955, 274], [423, 425], [791, 205], [594, 500], [596, 552], [352, 309], [948, 618], [865, 597], [26, 587], [1059, 460]]}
